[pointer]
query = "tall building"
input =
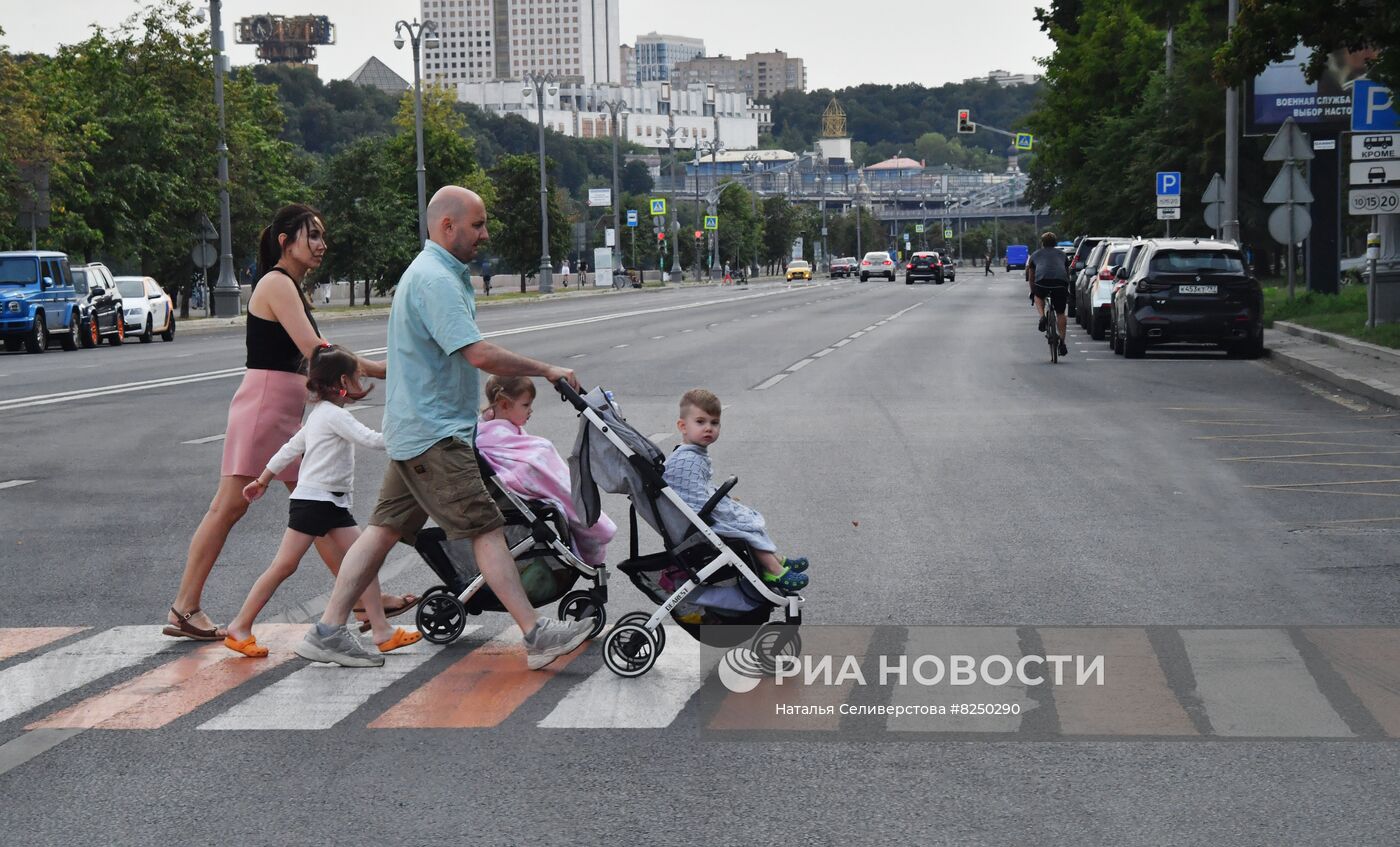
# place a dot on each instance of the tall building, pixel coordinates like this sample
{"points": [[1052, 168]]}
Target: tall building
{"points": [[627, 61], [757, 74], [484, 40], [1006, 79], [657, 55]]}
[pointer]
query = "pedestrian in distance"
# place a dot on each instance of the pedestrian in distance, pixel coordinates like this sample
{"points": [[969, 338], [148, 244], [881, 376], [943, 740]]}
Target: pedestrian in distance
{"points": [[436, 356], [564, 273], [987, 263], [582, 273], [486, 278], [267, 407], [320, 505], [689, 472]]}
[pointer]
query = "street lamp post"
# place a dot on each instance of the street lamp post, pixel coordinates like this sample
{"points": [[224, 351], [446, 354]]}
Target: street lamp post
{"points": [[703, 148], [751, 161], [672, 227], [536, 85], [226, 300], [615, 107], [419, 35], [861, 190]]}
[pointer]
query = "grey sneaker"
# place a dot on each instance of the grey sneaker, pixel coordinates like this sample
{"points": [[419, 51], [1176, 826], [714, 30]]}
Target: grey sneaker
{"points": [[552, 639], [338, 648]]}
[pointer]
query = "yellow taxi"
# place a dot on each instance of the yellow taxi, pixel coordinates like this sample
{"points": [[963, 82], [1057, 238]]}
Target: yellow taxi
{"points": [[798, 269]]}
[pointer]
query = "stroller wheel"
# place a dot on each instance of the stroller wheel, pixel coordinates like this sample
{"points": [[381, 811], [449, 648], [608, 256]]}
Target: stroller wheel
{"points": [[773, 640], [441, 617], [578, 605], [629, 650], [640, 618]]}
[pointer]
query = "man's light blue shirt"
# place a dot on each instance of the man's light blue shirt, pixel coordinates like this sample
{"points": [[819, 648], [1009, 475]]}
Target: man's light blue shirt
{"points": [[432, 389]]}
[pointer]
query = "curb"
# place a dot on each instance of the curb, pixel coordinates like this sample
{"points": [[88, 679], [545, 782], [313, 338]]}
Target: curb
{"points": [[1371, 389], [1341, 342]]}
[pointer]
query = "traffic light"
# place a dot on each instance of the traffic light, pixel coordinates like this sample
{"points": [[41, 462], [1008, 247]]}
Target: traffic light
{"points": [[965, 123], [699, 234], [660, 237]]}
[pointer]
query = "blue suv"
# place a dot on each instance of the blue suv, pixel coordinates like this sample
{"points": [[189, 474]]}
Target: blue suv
{"points": [[38, 301]]}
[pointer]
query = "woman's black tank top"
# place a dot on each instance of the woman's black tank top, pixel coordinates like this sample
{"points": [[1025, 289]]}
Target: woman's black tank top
{"points": [[270, 347]]}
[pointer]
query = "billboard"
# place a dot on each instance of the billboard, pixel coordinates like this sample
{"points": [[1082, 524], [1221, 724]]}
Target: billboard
{"points": [[1283, 91]]}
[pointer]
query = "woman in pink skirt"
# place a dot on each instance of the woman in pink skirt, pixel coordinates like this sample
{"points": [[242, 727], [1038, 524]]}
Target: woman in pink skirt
{"points": [[267, 408]]}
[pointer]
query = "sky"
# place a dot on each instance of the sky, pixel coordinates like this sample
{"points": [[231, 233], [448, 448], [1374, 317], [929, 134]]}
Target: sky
{"points": [[950, 41]]}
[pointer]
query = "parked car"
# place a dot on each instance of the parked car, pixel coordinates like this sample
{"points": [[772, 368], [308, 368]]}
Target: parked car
{"points": [[1121, 274], [925, 264], [102, 305], [877, 264], [1096, 305], [1191, 290], [950, 266], [799, 269], [1016, 256], [37, 301], [844, 267], [147, 308]]}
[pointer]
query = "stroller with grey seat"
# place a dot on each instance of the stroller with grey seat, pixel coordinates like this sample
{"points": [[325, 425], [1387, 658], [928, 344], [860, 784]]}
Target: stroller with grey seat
{"points": [[708, 584]]}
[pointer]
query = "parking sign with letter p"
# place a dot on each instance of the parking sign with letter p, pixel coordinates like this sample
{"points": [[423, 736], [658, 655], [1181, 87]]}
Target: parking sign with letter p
{"points": [[1169, 182]]}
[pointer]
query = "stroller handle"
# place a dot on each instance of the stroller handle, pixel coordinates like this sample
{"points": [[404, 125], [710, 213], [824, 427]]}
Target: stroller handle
{"points": [[720, 494], [567, 393]]}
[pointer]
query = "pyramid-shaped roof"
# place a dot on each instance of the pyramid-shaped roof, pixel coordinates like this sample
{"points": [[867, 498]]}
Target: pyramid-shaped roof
{"points": [[378, 75]]}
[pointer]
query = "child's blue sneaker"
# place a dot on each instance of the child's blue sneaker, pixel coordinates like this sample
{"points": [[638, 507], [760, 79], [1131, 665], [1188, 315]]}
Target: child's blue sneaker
{"points": [[797, 563], [788, 580]]}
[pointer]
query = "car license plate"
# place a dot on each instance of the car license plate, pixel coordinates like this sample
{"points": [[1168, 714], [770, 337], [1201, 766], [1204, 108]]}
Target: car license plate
{"points": [[1198, 289]]}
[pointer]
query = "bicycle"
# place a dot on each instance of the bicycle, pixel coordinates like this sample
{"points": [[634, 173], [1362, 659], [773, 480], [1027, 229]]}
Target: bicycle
{"points": [[1052, 322]]}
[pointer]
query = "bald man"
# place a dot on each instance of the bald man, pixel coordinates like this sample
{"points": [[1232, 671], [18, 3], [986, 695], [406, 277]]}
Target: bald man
{"points": [[436, 355]]}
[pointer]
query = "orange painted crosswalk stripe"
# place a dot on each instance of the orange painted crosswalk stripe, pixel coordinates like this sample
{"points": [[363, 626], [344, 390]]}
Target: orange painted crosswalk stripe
{"points": [[1369, 661], [761, 708], [23, 639], [480, 690], [1134, 699], [176, 688]]}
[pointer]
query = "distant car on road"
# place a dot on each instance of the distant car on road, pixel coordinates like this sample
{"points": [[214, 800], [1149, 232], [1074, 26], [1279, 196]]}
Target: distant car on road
{"points": [[843, 267], [877, 264], [799, 269], [924, 264], [147, 308], [37, 301], [1016, 256], [950, 266], [102, 305]]}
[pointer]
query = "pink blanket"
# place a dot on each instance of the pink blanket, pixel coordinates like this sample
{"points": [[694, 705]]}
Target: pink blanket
{"points": [[531, 467]]}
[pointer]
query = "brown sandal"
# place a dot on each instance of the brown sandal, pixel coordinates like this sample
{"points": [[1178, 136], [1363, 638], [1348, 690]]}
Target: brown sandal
{"points": [[182, 628]]}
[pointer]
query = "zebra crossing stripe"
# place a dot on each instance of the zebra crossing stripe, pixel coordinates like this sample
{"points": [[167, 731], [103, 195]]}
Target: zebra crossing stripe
{"points": [[321, 696], [1135, 698], [795, 706], [971, 641], [1254, 683], [68, 668], [1368, 660], [480, 690], [178, 687], [17, 640], [607, 701]]}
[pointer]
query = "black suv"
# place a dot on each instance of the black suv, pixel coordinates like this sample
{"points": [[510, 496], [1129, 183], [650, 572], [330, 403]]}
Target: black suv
{"points": [[1184, 290], [923, 265], [101, 305]]}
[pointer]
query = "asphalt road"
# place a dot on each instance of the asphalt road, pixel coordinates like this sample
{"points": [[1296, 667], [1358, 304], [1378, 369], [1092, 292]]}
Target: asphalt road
{"points": [[913, 441]]}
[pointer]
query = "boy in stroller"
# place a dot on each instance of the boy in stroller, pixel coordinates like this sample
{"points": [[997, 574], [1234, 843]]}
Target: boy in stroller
{"points": [[688, 470]]}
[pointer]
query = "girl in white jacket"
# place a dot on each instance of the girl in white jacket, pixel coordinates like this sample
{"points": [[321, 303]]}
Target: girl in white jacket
{"points": [[320, 504]]}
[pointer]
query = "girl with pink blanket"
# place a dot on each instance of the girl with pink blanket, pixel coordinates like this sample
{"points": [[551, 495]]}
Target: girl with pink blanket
{"points": [[529, 465]]}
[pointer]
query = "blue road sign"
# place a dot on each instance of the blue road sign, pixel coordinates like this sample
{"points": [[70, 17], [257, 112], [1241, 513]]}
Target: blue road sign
{"points": [[658, 205], [631, 217], [1169, 183], [1372, 108], [1024, 141]]}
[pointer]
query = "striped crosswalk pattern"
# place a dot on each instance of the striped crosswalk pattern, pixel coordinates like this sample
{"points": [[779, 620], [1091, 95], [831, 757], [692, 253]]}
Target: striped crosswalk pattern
{"points": [[1193, 682]]}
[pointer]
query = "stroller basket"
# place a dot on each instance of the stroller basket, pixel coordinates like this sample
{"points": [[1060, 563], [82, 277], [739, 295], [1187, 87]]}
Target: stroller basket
{"points": [[721, 613], [546, 579]]}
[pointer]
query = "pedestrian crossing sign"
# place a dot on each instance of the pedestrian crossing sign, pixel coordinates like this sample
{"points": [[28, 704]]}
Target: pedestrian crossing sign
{"points": [[1024, 141], [947, 233], [658, 205], [918, 228], [712, 222]]}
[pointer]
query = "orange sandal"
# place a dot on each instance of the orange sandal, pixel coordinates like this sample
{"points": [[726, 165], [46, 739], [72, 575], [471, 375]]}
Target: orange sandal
{"points": [[248, 647], [401, 638]]}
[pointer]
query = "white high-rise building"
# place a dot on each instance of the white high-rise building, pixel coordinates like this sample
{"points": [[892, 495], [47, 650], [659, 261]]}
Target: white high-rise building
{"points": [[658, 54], [485, 40]]}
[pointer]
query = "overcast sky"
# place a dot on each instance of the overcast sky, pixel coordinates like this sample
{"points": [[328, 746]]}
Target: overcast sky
{"points": [[844, 43]]}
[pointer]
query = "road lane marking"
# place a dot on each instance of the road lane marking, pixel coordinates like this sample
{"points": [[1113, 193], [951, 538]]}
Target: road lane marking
{"points": [[14, 483], [1327, 484], [797, 366], [578, 355], [1254, 683], [57, 672], [481, 690], [842, 343], [620, 346], [16, 640], [1135, 698], [208, 439], [771, 381], [607, 701], [1309, 455], [823, 352], [320, 696], [178, 687]]}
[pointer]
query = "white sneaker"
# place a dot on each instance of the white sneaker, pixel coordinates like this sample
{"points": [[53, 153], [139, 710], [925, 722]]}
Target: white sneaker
{"points": [[552, 639]]}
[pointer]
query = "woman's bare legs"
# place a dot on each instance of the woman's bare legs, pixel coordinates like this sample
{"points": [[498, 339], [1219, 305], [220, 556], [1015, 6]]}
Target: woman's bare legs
{"points": [[227, 508]]}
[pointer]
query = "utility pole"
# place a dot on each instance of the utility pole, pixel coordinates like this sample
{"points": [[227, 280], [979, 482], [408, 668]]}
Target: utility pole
{"points": [[672, 225], [227, 303], [614, 107], [535, 86], [1230, 226]]}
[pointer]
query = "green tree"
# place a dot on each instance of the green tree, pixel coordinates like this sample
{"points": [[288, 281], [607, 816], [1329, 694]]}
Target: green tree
{"points": [[740, 226], [780, 227], [635, 178], [515, 228], [371, 224], [1268, 31]]}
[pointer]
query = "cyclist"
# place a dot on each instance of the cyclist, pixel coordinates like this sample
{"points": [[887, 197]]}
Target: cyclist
{"points": [[1048, 276]]}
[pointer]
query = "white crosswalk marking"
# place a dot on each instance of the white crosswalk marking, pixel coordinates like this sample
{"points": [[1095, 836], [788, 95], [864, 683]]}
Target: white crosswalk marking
{"points": [[944, 642], [607, 701], [1253, 682], [320, 696], [68, 668]]}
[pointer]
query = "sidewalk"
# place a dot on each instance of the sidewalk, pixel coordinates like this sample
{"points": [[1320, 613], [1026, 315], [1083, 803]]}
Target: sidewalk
{"points": [[196, 325], [1366, 370]]}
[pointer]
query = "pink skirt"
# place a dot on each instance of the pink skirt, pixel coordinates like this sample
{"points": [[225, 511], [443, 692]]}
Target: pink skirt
{"points": [[265, 413]]}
